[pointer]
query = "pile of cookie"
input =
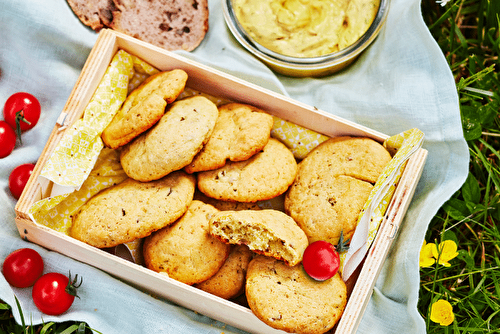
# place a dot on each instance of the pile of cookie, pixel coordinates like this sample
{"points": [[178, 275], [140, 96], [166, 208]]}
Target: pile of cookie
{"points": [[197, 176]]}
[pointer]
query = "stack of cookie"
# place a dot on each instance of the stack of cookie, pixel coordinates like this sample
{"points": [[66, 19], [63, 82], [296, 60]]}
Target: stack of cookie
{"points": [[198, 174]]}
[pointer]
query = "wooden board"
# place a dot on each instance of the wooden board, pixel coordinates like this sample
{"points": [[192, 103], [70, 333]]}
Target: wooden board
{"points": [[219, 84]]}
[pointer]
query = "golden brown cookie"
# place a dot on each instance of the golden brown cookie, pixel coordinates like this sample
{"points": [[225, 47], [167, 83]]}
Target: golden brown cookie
{"points": [[185, 250], [286, 298], [224, 205], [132, 210], [173, 142], [240, 132], [144, 107], [358, 157], [332, 185], [229, 281], [268, 232], [265, 175]]}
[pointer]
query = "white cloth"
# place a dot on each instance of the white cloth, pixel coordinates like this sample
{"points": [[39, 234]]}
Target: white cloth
{"points": [[402, 81]]}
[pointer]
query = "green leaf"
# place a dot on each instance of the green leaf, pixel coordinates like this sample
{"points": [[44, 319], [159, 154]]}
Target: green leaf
{"points": [[478, 301], [475, 325], [488, 114], [471, 123], [70, 329], [467, 258], [46, 327], [456, 209], [449, 235], [470, 190], [465, 82], [495, 212]]}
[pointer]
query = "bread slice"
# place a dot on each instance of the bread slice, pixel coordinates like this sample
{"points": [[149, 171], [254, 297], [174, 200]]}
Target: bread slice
{"points": [[95, 13], [169, 24]]}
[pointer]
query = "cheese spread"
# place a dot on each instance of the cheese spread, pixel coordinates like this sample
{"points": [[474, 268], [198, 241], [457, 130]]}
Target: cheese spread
{"points": [[305, 28]]}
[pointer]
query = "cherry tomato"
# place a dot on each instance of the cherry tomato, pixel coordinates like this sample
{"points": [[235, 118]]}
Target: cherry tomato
{"points": [[18, 179], [7, 139], [54, 293], [321, 260], [22, 267], [21, 111]]}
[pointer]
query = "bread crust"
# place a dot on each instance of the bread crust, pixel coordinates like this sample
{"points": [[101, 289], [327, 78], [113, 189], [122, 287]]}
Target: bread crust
{"points": [[96, 14]]}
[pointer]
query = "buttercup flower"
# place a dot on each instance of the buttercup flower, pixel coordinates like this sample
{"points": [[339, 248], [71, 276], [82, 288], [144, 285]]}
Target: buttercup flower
{"points": [[426, 257], [445, 251], [442, 312]]}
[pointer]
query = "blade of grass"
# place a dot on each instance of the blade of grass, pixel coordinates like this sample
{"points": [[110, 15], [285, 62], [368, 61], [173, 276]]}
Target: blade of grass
{"points": [[20, 313]]}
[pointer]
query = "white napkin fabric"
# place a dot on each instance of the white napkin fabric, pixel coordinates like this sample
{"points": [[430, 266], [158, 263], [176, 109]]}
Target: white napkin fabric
{"points": [[400, 82]]}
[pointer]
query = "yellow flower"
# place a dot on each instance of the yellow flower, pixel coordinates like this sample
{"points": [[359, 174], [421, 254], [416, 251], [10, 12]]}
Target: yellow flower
{"points": [[446, 251], [426, 257], [442, 312]]}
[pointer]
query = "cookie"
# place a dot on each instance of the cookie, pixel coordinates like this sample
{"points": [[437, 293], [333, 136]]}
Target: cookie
{"points": [[358, 157], [332, 185], [173, 142], [240, 132], [132, 210], [269, 232], [265, 175], [286, 298], [225, 205], [185, 250], [229, 281], [144, 106]]}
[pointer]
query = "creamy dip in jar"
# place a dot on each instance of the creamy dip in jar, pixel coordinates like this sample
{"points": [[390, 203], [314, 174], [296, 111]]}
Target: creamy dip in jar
{"points": [[305, 28]]}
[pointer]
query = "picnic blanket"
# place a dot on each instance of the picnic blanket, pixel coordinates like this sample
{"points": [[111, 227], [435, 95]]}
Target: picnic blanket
{"points": [[401, 81]]}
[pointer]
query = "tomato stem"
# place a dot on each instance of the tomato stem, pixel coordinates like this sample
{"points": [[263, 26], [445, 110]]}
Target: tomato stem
{"points": [[20, 118], [73, 285], [342, 245]]}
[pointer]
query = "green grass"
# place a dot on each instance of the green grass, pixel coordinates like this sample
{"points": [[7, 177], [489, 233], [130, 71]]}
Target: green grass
{"points": [[9, 326], [467, 32]]}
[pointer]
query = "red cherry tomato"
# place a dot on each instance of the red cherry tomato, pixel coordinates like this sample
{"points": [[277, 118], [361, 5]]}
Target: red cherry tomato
{"points": [[21, 111], [7, 139], [18, 179], [54, 293], [320, 260], [22, 267]]}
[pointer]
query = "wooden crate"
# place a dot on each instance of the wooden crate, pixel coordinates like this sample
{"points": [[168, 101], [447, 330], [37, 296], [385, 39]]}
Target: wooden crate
{"points": [[219, 84]]}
